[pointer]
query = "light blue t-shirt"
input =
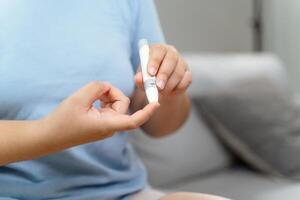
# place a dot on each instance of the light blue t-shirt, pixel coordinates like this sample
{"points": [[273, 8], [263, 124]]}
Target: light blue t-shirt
{"points": [[48, 50]]}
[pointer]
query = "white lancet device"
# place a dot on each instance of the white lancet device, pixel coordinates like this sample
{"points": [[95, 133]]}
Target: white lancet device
{"points": [[149, 81]]}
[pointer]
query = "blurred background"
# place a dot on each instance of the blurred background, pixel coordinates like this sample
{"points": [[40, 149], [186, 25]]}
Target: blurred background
{"points": [[231, 26], [241, 139]]}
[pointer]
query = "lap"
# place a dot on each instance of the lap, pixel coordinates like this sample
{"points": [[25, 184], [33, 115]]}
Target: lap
{"points": [[190, 196], [151, 194]]}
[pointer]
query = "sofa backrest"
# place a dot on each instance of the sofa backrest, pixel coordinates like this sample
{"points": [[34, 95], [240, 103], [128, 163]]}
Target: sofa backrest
{"points": [[194, 149]]}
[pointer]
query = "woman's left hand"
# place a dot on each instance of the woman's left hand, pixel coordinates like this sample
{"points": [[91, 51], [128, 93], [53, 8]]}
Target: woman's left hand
{"points": [[172, 74]]}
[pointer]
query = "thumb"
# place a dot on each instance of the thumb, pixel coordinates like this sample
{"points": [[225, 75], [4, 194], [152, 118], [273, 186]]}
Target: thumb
{"points": [[91, 92], [138, 78]]}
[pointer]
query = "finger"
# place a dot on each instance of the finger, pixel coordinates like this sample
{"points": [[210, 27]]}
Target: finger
{"points": [[185, 82], [140, 117], [115, 97], [126, 122], [121, 106], [166, 68], [138, 78], [91, 92], [106, 105], [157, 54], [136, 119], [176, 76]]}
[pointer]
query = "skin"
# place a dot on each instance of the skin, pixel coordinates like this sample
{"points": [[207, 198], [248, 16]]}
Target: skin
{"points": [[173, 79], [75, 121], [191, 196]]}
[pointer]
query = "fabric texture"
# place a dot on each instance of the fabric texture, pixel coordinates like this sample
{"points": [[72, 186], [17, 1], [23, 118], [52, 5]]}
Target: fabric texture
{"points": [[48, 50], [260, 122], [216, 71], [148, 193], [240, 184], [166, 159]]}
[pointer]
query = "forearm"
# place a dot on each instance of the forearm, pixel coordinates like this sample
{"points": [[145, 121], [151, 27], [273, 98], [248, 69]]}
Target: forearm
{"points": [[75, 121], [169, 117], [26, 140], [16, 141]]}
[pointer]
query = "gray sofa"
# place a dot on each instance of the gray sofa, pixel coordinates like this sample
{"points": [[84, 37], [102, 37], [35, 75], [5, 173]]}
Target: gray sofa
{"points": [[194, 159]]}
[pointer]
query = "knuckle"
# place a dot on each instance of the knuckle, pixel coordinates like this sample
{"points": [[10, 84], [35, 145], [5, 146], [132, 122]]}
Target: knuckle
{"points": [[175, 79], [190, 77], [184, 64], [173, 48], [96, 84], [132, 125], [190, 81], [155, 61], [181, 87], [171, 84], [167, 69], [173, 55], [178, 74], [73, 100], [168, 90], [127, 100], [160, 47], [163, 75]]}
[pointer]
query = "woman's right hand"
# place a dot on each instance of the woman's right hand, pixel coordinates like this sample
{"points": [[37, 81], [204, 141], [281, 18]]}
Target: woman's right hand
{"points": [[77, 121]]}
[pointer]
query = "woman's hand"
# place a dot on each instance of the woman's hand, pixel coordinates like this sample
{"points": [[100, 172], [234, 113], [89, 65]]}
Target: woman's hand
{"points": [[170, 69], [172, 79], [77, 119]]}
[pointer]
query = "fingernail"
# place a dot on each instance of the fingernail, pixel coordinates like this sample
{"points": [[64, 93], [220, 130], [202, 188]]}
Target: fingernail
{"points": [[161, 84], [152, 70]]}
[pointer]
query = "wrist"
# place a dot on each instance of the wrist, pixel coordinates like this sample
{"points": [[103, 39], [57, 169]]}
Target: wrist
{"points": [[33, 127], [177, 99]]}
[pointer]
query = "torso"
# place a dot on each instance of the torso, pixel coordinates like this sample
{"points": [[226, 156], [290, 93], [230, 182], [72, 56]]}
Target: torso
{"points": [[48, 50]]}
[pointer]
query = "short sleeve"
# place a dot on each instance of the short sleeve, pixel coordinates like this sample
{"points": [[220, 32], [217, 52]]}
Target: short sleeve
{"points": [[146, 25]]}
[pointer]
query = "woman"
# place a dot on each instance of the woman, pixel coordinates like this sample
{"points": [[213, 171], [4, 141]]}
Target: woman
{"points": [[49, 49]]}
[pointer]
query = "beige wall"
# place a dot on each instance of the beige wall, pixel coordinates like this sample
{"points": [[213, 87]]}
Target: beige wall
{"points": [[207, 25]]}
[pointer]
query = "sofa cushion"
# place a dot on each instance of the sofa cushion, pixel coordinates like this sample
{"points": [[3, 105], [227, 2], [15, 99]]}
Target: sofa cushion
{"points": [[259, 121], [240, 184], [215, 71], [192, 150]]}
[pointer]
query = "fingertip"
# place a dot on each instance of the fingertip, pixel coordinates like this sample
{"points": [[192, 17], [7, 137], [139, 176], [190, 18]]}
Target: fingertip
{"points": [[154, 106], [157, 105], [144, 114], [106, 85], [152, 70]]}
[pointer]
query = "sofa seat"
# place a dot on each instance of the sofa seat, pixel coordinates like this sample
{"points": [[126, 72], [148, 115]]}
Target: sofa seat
{"points": [[240, 184]]}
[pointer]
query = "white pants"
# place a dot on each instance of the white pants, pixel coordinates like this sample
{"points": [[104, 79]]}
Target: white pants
{"points": [[148, 194], [152, 194]]}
